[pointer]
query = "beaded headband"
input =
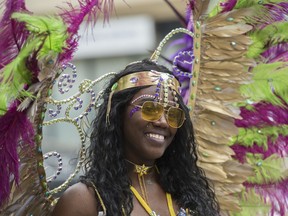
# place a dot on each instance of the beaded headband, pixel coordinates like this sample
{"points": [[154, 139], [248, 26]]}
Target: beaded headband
{"points": [[162, 80], [146, 78]]}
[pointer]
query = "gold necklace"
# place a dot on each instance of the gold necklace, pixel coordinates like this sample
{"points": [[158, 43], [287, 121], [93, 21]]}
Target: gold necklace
{"points": [[141, 171], [147, 207]]}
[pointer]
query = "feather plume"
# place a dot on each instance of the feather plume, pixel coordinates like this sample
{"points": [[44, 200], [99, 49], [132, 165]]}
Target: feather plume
{"points": [[73, 17], [16, 75], [47, 37], [14, 33], [260, 136], [269, 170], [270, 83], [252, 204], [279, 147], [263, 114], [271, 34], [14, 127], [3, 103], [204, 8], [38, 43], [51, 31], [276, 53], [274, 194], [249, 3], [228, 5]]}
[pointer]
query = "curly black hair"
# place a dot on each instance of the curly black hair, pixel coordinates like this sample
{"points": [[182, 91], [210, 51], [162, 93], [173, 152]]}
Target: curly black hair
{"points": [[106, 167]]}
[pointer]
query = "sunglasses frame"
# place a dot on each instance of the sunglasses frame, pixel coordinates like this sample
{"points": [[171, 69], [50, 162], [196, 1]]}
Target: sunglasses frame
{"points": [[165, 111]]}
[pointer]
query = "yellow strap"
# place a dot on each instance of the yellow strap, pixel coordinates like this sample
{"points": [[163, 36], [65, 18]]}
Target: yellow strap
{"points": [[170, 204], [99, 198], [147, 208], [141, 200]]}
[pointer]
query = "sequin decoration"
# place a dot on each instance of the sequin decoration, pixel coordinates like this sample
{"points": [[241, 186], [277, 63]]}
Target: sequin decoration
{"points": [[75, 101], [183, 64], [65, 82], [134, 80], [59, 169]]}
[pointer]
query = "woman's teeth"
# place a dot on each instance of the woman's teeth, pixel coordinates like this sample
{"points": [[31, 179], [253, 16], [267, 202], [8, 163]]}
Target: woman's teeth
{"points": [[156, 136]]}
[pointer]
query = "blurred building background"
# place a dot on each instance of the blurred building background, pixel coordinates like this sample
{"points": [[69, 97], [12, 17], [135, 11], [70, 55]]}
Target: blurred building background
{"points": [[134, 30]]}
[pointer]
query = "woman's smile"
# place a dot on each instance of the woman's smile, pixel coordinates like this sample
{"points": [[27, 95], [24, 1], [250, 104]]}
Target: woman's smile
{"points": [[156, 137]]}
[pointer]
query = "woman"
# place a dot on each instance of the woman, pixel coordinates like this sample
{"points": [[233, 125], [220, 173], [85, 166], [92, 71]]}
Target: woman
{"points": [[142, 158]]}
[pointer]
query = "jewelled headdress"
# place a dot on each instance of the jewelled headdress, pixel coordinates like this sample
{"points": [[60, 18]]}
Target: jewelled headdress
{"points": [[233, 75], [146, 78], [162, 80]]}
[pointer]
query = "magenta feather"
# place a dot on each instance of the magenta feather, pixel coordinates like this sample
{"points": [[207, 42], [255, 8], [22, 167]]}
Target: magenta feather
{"points": [[275, 53], [73, 17], [263, 114], [14, 33], [279, 147], [276, 193], [278, 12], [228, 5], [14, 127]]}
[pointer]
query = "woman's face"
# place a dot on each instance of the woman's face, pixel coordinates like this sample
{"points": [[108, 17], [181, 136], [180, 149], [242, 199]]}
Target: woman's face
{"points": [[145, 141]]}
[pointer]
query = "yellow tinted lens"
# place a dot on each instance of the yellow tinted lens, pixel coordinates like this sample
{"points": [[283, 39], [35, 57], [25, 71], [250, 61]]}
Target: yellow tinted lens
{"points": [[175, 117], [151, 111]]}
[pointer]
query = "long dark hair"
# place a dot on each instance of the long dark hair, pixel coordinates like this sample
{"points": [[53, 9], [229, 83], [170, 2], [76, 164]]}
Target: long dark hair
{"points": [[106, 167]]}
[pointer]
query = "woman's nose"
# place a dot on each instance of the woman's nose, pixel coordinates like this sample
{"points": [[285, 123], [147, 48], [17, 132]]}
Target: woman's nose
{"points": [[161, 122]]}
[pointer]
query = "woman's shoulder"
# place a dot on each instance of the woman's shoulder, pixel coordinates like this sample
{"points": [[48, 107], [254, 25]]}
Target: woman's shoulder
{"points": [[77, 200]]}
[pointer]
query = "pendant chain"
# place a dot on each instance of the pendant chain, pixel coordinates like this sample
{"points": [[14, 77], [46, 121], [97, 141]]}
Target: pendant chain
{"points": [[141, 171]]}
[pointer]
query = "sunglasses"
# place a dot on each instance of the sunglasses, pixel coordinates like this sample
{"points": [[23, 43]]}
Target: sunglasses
{"points": [[152, 111]]}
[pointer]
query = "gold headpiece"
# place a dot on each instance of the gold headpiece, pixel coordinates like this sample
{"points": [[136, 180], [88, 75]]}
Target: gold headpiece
{"points": [[162, 80], [146, 78]]}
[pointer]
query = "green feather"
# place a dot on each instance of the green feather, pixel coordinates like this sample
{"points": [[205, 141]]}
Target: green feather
{"points": [[250, 136], [249, 3], [215, 7], [52, 30], [47, 37], [269, 83], [272, 34], [3, 102], [15, 75], [270, 170], [252, 204]]}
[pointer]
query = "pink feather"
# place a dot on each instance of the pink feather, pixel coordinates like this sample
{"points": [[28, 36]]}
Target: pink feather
{"points": [[74, 17], [13, 34], [276, 193], [228, 5], [275, 53], [15, 128]]}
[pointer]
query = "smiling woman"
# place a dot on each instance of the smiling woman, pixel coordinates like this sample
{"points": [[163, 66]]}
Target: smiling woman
{"points": [[145, 141], [142, 157]]}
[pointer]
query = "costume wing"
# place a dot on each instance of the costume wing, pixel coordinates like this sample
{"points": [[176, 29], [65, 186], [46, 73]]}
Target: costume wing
{"points": [[238, 97], [32, 57]]}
